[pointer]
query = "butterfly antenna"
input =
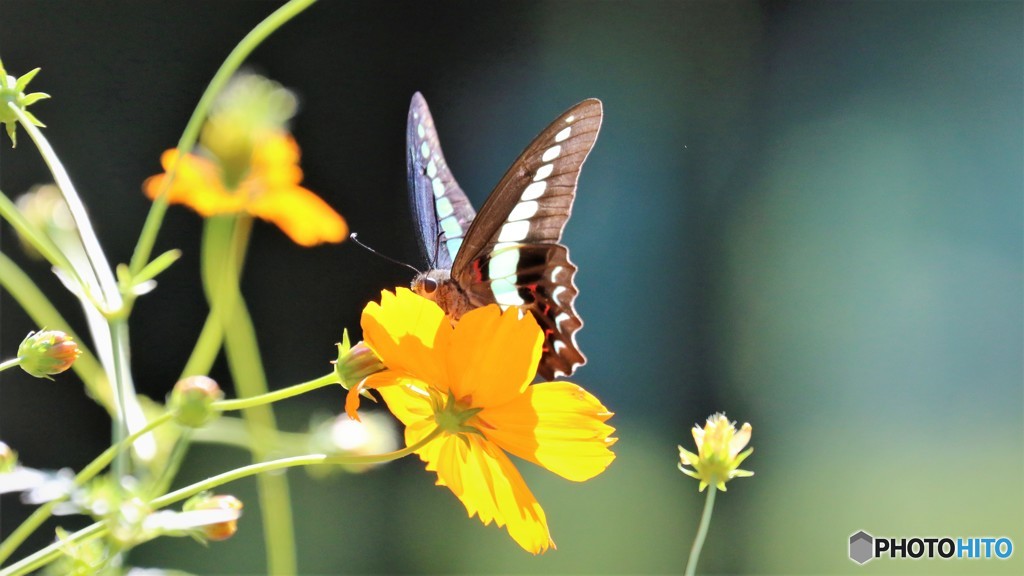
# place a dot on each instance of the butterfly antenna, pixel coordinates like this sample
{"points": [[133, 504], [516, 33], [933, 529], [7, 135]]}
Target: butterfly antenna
{"points": [[384, 256]]}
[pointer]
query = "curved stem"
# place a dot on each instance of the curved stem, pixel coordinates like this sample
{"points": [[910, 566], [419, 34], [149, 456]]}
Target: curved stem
{"points": [[702, 532], [276, 395], [44, 556], [51, 552], [40, 515], [10, 363]]}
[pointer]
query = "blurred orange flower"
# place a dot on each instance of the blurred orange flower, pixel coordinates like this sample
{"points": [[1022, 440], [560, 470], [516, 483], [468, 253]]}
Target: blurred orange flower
{"points": [[473, 382], [269, 190]]}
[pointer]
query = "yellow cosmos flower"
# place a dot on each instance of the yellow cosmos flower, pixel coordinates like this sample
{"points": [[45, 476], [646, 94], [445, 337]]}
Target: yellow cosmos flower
{"points": [[270, 190], [473, 382], [718, 452]]}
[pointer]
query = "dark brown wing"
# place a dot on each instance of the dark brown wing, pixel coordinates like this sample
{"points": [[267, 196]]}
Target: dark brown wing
{"points": [[511, 255]]}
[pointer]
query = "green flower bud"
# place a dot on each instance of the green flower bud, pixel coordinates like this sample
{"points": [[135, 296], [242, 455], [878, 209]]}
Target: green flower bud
{"points": [[48, 352], [355, 363], [192, 401], [12, 91]]}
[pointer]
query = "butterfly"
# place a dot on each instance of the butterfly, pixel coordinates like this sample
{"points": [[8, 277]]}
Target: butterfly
{"points": [[510, 253]]}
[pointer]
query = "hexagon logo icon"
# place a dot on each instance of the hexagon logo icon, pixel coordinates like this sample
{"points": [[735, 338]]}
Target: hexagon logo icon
{"points": [[861, 547]]}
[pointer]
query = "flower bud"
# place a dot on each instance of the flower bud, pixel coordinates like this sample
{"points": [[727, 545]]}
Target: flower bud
{"points": [[48, 352], [192, 401], [8, 458], [355, 363], [222, 530]]}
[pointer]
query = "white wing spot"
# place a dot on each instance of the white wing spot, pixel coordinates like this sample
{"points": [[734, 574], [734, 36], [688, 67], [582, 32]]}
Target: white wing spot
{"points": [[555, 271], [503, 264], [570, 118], [543, 172], [558, 345], [444, 208], [425, 150], [451, 227], [534, 191], [562, 318], [421, 132], [551, 153], [523, 210], [506, 293], [514, 231], [431, 169], [557, 293], [453, 247], [561, 135], [438, 187]]}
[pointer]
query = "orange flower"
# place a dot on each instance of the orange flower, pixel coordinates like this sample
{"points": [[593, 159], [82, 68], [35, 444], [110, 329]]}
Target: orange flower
{"points": [[269, 190], [473, 382]]}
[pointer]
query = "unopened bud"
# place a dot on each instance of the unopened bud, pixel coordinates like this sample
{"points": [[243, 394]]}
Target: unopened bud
{"points": [[48, 352], [355, 363], [192, 401]]}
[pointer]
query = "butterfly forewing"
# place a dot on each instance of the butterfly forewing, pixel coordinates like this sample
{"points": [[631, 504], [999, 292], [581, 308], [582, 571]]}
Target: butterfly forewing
{"points": [[533, 200], [511, 255], [442, 211]]}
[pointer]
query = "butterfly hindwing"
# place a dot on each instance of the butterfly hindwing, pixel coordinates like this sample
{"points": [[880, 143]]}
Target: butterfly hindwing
{"points": [[442, 211], [539, 278]]}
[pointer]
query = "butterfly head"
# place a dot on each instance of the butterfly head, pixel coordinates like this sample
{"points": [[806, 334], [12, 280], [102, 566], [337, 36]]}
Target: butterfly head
{"points": [[429, 284]]}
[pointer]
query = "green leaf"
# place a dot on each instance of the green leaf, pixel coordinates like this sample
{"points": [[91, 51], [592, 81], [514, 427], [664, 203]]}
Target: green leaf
{"points": [[156, 266]]}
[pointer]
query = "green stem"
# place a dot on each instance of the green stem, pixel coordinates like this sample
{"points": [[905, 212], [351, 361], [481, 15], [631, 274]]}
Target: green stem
{"points": [[224, 242], [276, 395], [206, 349], [37, 239], [101, 275], [41, 514], [291, 462], [44, 556], [10, 363], [702, 532], [53, 551], [147, 238]]}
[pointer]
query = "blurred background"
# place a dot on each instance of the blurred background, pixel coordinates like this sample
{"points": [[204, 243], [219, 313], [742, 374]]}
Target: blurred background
{"points": [[807, 215]]}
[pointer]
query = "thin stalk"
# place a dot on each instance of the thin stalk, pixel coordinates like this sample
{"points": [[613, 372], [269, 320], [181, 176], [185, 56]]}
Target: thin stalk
{"points": [[53, 551], [41, 514], [702, 532], [10, 363]]}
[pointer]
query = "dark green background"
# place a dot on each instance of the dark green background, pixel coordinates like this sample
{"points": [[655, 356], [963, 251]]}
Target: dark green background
{"points": [[808, 215]]}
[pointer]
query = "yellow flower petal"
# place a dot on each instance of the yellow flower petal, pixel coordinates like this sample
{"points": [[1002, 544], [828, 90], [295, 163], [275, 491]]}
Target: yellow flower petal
{"points": [[276, 159], [403, 331], [301, 214], [557, 425], [196, 184], [493, 356], [407, 401], [266, 186], [489, 486]]}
